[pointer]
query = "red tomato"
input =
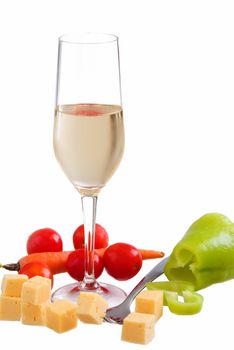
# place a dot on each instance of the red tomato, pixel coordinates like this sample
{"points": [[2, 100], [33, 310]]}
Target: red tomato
{"points": [[122, 261], [44, 240], [75, 265], [101, 237], [37, 269]]}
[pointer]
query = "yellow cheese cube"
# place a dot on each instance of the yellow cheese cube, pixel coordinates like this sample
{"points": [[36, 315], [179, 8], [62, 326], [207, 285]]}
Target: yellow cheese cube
{"points": [[91, 307], [138, 328], [9, 308], [33, 314], [40, 280], [36, 290], [150, 302], [12, 285], [61, 316]]}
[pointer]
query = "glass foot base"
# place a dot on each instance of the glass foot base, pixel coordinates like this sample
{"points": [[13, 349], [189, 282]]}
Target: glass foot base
{"points": [[113, 295]]}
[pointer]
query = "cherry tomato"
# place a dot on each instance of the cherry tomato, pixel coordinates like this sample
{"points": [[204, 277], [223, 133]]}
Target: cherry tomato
{"points": [[37, 269], [75, 265], [101, 237], [122, 261], [44, 240]]}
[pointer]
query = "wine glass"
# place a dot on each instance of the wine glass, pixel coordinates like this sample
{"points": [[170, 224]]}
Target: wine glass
{"points": [[89, 135]]}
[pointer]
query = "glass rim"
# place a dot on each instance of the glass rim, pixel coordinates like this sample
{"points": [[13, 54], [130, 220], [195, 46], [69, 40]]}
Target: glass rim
{"points": [[88, 38]]}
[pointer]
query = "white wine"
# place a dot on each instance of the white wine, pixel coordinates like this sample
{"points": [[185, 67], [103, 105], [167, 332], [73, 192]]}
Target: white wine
{"points": [[89, 143]]}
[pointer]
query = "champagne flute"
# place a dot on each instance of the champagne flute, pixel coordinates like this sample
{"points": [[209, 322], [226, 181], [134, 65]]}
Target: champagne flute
{"points": [[89, 135]]}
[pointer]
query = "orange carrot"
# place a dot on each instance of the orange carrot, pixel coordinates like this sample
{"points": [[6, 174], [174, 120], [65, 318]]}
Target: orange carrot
{"points": [[100, 251], [150, 254], [56, 261]]}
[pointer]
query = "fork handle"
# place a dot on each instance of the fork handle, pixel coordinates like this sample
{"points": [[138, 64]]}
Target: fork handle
{"points": [[157, 271]]}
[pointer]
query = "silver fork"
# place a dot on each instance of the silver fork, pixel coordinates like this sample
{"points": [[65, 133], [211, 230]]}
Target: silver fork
{"points": [[117, 313]]}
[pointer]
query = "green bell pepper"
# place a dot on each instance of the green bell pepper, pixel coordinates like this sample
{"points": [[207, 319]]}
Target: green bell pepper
{"points": [[171, 289], [172, 286], [192, 303], [205, 255]]}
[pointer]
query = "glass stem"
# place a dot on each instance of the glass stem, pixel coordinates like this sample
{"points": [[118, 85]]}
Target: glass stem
{"points": [[89, 207]]}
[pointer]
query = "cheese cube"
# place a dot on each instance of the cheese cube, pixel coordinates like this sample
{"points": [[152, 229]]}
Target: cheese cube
{"points": [[61, 316], [40, 280], [91, 307], [138, 328], [36, 290], [9, 308], [150, 302], [33, 314], [12, 285]]}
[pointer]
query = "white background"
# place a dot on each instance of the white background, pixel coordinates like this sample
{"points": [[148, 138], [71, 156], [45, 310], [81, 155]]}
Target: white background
{"points": [[177, 62]]}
